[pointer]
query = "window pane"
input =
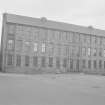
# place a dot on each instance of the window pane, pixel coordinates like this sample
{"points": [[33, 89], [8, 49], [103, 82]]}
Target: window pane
{"points": [[95, 64], [65, 62], [35, 47], [43, 47], [18, 60], [89, 64], [27, 60], [71, 63], [35, 61], [43, 62], [10, 44], [58, 62], [100, 64], [84, 63], [50, 61], [10, 59]]}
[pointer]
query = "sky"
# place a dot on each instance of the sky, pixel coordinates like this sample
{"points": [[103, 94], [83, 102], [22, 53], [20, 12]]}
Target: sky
{"points": [[79, 12]]}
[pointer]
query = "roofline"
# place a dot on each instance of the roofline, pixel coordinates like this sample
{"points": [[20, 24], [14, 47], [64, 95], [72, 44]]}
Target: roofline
{"points": [[43, 22]]}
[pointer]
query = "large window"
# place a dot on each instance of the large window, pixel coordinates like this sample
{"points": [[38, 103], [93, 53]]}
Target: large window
{"points": [[65, 62], [89, 64], [95, 64], [83, 63], [27, 46], [77, 65], [83, 51], [100, 64], [71, 64], [43, 47], [50, 61], [35, 47], [100, 52], [35, 61], [43, 61], [58, 62], [18, 60], [19, 45], [9, 59], [94, 51], [89, 51], [27, 60], [10, 44], [11, 28]]}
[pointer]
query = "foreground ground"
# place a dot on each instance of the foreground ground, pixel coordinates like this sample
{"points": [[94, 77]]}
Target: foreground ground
{"points": [[72, 89]]}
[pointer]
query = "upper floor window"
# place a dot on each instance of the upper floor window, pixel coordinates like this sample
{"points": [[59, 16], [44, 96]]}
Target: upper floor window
{"points": [[11, 28], [35, 47], [10, 44], [104, 52], [9, 59], [89, 51], [84, 51], [94, 52], [43, 47]]}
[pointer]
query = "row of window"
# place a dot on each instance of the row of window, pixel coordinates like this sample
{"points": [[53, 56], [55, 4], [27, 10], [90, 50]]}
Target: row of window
{"points": [[96, 64], [41, 33], [75, 50]]}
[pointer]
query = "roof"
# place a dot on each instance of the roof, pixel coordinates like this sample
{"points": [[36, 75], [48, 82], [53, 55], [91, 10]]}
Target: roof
{"points": [[43, 22]]}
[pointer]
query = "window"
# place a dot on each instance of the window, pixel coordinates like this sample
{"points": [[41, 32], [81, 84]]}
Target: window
{"points": [[27, 46], [83, 63], [71, 63], [89, 64], [11, 28], [10, 44], [104, 64], [100, 64], [104, 52], [65, 62], [94, 52], [35, 61], [43, 47], [58, 62], [10, 59], [19, 45], [35, 47], [50, 61], [89, 51], [83, 51], [27, 60], [18, 60], [100, 52], [43, 61], [95, 64], [77, 65]]}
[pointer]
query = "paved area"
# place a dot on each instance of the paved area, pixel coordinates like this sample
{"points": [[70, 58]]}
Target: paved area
{"points": [[70, 89]]}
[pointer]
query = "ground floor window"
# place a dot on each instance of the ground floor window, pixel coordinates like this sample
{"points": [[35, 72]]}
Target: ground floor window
{"points": [[104, 64], [77, 65], [50, 62], [35, 61], [83, 63], [9, 59], [27, 60], [18, 60], [95, 64], [43, 61], [100, 64], [71, 63], [65, 62], [58, 62], [89, 64]]}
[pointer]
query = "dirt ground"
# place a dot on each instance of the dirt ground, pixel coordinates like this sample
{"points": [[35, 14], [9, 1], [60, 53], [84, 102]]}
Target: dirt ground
{"points": [[58, 89]]}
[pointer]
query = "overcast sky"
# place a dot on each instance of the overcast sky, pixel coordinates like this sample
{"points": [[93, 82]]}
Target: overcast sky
{"points": [[80, 12]]}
